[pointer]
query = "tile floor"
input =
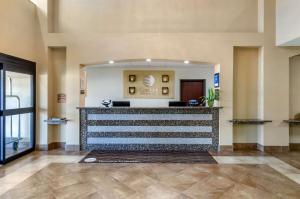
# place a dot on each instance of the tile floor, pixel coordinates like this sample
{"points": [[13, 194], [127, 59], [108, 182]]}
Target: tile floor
{"points": [[57, 174]]}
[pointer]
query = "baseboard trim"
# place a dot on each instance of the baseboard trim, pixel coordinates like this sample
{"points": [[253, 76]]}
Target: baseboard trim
{"points": [[228, 148], [57, 145], [41, 147], [244, 146], [259, 147], [295, 146], [271, 149], [70, 147], [235, 146], [50, 146]]}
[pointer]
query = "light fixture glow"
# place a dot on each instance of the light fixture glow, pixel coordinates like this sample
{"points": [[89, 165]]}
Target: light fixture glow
{"points": [[186, 62], [111, 62], [148, 60]]}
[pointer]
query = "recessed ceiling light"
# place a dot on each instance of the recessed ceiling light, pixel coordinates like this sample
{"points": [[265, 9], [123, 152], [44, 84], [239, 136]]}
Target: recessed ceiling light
{"points": [[186, 62], [111, 62], [148, 60]]}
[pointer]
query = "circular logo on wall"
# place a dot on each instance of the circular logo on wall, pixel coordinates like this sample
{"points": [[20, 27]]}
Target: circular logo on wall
{"points": [[149, 80]]}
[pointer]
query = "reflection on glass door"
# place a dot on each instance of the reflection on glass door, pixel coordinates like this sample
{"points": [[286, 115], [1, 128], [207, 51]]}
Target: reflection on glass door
{"points": [[18, 127], [17, 108], [18, 134], [18, 90]]}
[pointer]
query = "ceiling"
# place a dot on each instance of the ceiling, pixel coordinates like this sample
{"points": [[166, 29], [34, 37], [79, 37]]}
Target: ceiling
{"points": [[152, 63]]}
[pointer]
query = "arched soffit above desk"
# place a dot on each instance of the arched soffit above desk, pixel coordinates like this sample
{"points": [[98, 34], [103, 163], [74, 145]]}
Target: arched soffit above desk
{"points": [[149, 62]]}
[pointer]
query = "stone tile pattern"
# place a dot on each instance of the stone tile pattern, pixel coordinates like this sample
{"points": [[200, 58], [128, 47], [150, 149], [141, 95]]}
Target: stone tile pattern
{"points": [[210, 118], [157, 181], [292, 158]]}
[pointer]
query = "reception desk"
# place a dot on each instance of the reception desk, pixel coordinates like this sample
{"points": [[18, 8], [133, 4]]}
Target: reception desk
{"points": [[155, 129]]}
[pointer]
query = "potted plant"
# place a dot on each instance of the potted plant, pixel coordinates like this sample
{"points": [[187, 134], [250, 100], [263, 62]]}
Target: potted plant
{"points": [[211, 97]]}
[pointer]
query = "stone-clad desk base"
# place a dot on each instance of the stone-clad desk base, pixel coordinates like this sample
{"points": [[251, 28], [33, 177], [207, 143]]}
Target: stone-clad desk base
{"points": [[153, 129]]}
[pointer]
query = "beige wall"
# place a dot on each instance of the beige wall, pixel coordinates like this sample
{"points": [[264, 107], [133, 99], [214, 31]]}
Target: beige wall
{"points": [[155, 16], [204, 31], [88, 47], [18, 35], [18, 28], [294, 96], [275, 67], [57, 85], [245, 94], [21, 36]]}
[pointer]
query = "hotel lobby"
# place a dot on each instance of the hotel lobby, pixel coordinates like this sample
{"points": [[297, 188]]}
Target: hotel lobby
{"points": [[150, 99]]}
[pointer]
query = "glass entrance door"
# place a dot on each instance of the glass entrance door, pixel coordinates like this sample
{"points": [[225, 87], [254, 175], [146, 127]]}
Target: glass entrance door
{"points": [[17, 107]]}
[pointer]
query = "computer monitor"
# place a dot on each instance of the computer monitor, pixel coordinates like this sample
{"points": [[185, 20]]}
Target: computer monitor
{"points": [[121, 103], [177, 104]]}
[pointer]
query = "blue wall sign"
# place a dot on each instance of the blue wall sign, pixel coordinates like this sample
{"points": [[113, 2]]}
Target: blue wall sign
{"points": [[217, 80]]}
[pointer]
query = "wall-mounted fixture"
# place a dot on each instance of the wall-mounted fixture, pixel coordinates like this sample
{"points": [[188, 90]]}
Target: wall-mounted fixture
{"points": [[132, 78], [131, 90], [165, 78], [165, 90]]}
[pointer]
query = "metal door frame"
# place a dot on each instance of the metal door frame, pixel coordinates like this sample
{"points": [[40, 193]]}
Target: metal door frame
{"points": [[14, 64]]}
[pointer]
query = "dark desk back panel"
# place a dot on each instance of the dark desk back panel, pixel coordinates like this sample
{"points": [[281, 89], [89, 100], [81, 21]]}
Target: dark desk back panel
{"points": [[121, 103]]}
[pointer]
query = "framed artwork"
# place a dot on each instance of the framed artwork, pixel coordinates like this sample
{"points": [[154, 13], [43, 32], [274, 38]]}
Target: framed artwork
{"points": [[165, 90], [131, 90], [165, 78], [61, 98], [132, 78]]}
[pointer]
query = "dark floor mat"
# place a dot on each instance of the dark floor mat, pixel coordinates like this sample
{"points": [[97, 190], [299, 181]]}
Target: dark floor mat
{"points": [[148, 157]]}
